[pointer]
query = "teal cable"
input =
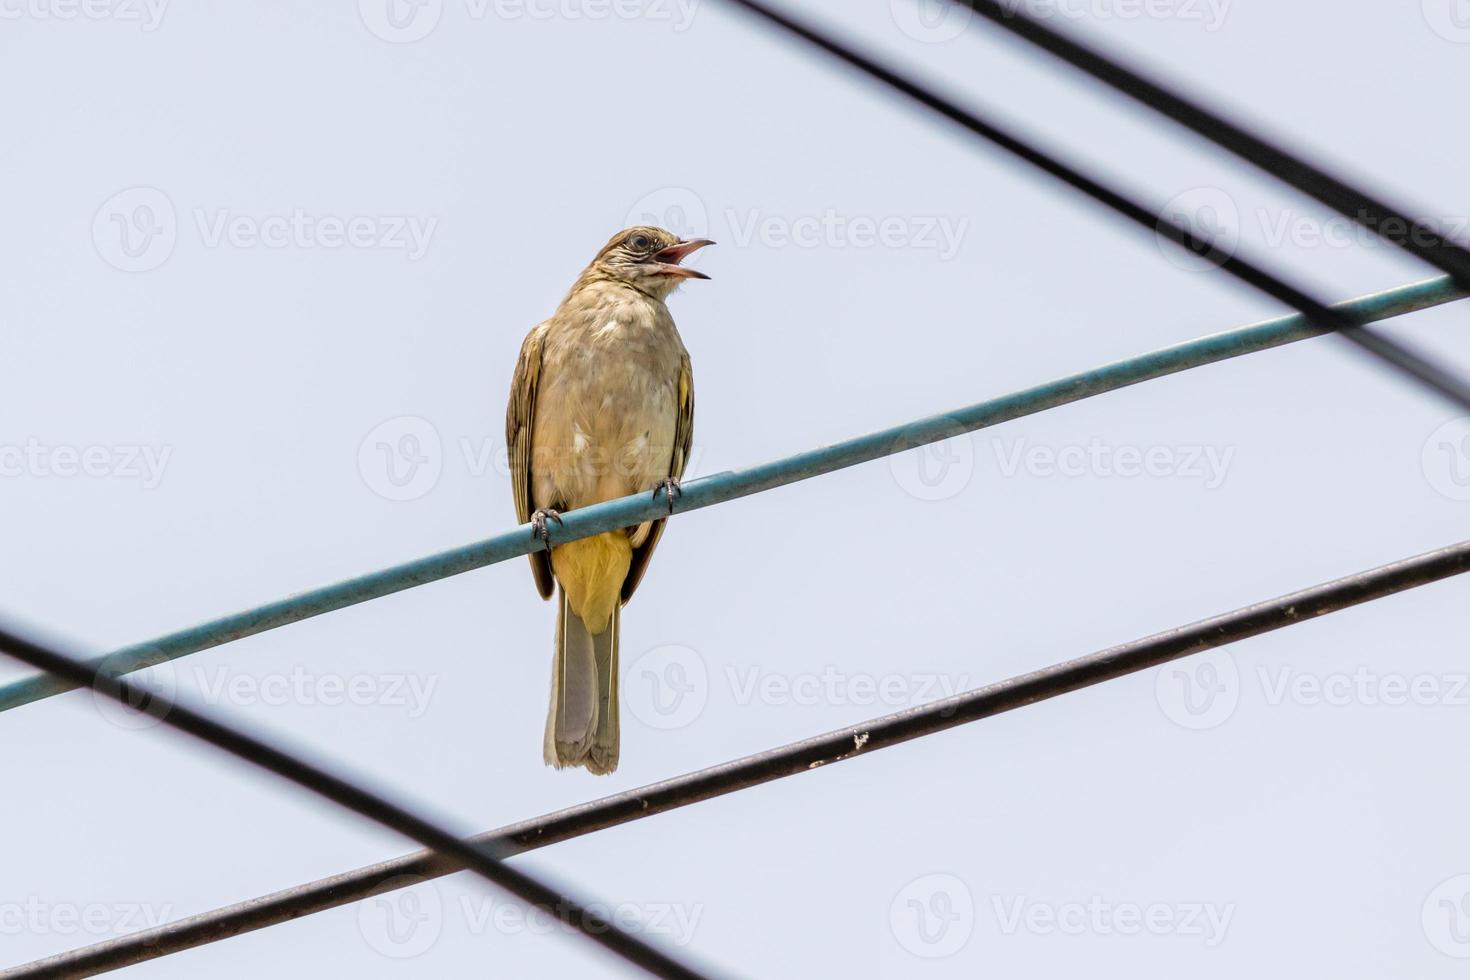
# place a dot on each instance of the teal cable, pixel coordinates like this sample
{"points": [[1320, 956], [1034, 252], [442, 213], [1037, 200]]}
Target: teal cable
{"points": [[721, 487]]}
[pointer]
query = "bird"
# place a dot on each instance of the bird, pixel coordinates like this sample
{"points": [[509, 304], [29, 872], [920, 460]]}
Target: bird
{"points": [[601, 407]]}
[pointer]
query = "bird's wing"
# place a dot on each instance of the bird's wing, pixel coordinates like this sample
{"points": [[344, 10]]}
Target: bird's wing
{"points": [[683, 441], [519, 416]]}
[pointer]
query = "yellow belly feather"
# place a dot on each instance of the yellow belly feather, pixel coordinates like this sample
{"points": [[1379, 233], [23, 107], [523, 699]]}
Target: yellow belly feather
{"points": [[592, 572]]}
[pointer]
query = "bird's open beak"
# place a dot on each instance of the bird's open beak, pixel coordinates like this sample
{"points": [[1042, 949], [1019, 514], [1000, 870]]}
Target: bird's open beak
{"points": [[669, 259]]}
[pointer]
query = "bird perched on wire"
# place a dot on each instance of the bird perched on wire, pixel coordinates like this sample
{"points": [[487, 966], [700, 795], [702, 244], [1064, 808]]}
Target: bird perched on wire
{"points": [[601, 406]]}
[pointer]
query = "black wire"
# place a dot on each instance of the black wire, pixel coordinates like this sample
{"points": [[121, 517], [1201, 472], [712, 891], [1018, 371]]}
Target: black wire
{"points": [[777, 763], [482, 859], [1352, 202], [1405, 360]]}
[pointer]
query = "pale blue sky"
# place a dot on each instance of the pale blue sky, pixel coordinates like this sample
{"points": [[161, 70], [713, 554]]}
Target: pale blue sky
{"points": [[334, 236]]}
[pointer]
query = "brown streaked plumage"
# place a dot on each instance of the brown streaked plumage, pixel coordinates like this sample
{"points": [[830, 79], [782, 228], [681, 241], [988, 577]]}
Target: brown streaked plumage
{"points": [[601, 406]]}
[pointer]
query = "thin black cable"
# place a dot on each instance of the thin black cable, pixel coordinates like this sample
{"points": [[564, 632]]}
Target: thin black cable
{"points": [[483, 859], [1371, 212], [1405, 360], [753, 770]]}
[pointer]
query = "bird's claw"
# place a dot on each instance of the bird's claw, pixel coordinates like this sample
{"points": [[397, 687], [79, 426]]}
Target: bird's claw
{"points": [[671, 489], [538, 524]]}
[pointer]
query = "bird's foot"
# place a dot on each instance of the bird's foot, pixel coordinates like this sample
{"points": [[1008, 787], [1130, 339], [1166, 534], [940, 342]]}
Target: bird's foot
{"points": [[671, 489], [538, 524]]}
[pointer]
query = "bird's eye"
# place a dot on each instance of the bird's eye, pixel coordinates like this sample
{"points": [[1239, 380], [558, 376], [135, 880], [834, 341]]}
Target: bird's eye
{"points": [[640, 242]]}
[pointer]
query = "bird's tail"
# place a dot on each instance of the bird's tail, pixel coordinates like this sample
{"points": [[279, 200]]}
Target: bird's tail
{"points": [[582, 725]]}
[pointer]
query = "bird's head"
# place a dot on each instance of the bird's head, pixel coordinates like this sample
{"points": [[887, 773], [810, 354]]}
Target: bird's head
{"points": [[648, 259]]}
